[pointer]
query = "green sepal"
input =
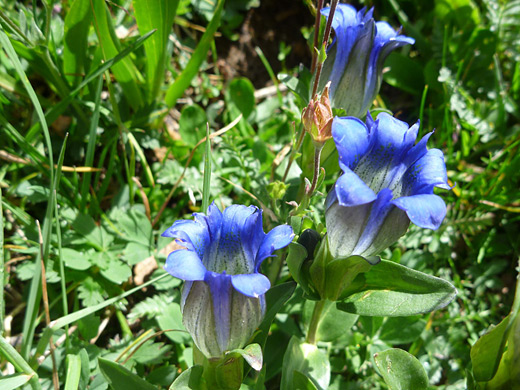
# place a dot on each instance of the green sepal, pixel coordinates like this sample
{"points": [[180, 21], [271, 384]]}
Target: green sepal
{"points": [[298, 263]]}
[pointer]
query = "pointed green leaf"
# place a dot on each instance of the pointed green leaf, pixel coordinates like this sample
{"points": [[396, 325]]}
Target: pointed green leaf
{"points": [[393, 290], [120, 378], [75, 40], [191, 379], [155, 14]]}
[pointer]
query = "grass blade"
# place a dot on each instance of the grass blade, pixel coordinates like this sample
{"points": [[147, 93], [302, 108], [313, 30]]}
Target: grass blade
{"points": [[92, 137], [183, 81], [58, 109], [158, 14], [207, 173], [125, 72], [75, 40], [73, 317]]}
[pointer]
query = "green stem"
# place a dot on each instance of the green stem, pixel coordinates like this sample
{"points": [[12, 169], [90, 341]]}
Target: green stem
{"points": [[317, 155], [315, 321]]}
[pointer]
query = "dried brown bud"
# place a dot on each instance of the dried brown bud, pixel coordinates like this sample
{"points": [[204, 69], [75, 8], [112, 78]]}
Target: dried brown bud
{"points": [[317, 117]]}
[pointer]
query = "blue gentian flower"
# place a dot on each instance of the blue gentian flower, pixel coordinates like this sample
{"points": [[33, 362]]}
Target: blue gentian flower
{"points": [[387, 182], [223, 299], [354, 63]]}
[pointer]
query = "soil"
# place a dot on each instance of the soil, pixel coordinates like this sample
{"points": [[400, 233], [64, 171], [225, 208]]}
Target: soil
{"points": [[274, 21]]}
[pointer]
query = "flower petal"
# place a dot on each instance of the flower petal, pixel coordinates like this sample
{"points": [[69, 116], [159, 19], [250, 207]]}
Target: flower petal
{"points": [[252, 285], [344, 227], [352, 139], [425, 210], [185, 264], [193, 235], [427, 172], [227, 253], [220, 287], [278, 238], [351, 190], [375, 237], [348, 90]]}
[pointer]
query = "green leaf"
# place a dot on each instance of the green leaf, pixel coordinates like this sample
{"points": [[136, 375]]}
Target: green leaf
{"points": [[393, 290], [275, 298], [73, 372], [241, 93], [333, 322], [487, 351], [301, 85], [117, 271], [15, 381], [75, 40], [339, 273], [171, 319], [401, 330], [183, 81], [191, 379], [302, 382], [88, 326], [75, 259], [401, 370], [136, 226], [149, 15], [308, 360], [125, 71], [192, 124], [120, 378]]}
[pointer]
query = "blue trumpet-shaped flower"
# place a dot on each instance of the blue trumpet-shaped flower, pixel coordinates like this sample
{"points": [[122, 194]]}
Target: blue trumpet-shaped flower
{"points": [[223, 298], [354, 63], [387, 182]]}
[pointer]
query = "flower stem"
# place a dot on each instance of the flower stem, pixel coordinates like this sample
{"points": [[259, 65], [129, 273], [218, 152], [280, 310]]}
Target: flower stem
{"points": [[317, 155], [315, 321], [325, 41], [316, 35]]}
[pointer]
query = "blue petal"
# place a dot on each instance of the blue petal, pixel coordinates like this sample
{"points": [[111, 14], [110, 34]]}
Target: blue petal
{"points": [[390, 139], [351, 190], [185, 264], [221, 290], [427, 172], [352, 139], [278, 238], [253, 235], [252, 285], [193, 235], [227, 253], [212, 220], [348, 91], [378, 213], [426, 210]]}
